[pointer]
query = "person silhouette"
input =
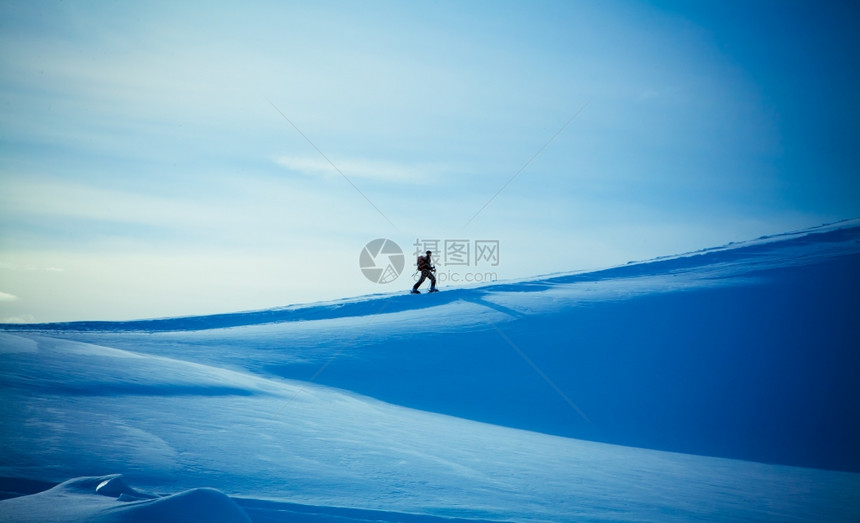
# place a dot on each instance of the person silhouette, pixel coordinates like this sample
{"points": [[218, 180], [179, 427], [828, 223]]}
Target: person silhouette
{"points": [[425, 265]]}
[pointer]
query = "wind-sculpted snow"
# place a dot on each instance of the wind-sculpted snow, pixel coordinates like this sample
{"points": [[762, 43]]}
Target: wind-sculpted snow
{"points": [[65, 367], [474, 403], [318, 446], [108, 500]]}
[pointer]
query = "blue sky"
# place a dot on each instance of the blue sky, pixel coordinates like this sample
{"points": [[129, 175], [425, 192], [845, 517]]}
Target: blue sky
{"points": [[145, 168]]}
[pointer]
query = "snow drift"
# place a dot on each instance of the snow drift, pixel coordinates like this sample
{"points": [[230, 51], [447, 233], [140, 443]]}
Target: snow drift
{"points": [[107, 500], [718, 384]]}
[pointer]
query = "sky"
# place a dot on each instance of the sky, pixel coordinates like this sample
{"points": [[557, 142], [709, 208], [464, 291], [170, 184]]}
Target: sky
{"points": [[180, 158]]}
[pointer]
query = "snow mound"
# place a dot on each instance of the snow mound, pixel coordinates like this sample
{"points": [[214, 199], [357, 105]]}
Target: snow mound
{"points": [[107, 499], [115, 486]]}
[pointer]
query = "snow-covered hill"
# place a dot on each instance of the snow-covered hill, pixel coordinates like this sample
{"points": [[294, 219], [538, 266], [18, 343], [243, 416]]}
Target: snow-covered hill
{"points": [[719, 384]]}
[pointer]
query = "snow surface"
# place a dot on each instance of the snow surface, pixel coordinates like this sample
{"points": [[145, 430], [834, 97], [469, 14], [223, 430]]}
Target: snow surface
{"points": [[719, 385], [108, 499]]}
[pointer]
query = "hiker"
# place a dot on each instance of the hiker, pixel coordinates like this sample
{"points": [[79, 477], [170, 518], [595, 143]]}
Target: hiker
{"points": [[427, 269]]}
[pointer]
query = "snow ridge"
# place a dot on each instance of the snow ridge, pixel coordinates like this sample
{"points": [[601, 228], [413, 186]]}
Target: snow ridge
{"points": [[768, 251]]}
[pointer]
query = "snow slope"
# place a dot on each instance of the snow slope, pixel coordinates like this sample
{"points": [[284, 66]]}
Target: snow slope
{"points": [[107, 499], [717, 385]]}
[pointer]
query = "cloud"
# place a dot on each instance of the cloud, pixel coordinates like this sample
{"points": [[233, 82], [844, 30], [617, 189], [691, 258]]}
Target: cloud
{"points": [[5, 296], [24, 318], [255, 212], [12, 267], [380, 171]]}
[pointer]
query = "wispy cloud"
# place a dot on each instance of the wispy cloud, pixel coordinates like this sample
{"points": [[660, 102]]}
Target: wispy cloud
{"points": [[23, 318], [5, 296], [32, 268], [251, 211], [373, 170]]}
